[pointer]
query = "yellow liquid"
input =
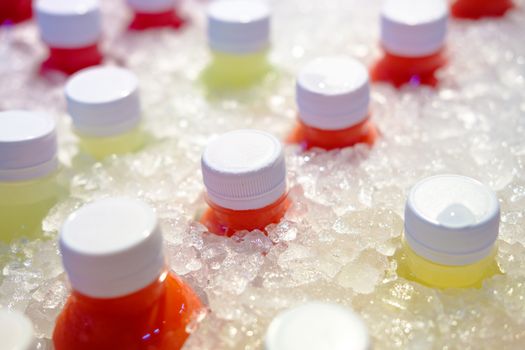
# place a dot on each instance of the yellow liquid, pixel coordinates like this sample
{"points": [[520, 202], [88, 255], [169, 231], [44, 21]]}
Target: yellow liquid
{"points": [[227, 71], [23, 206], [413, 267], [102, 147]]}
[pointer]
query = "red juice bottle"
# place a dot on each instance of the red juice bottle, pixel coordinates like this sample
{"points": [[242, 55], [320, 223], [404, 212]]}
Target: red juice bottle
{"points": [[476, 9], [71, 30], [15, 11], [413, 41], [244, 173], [333, 96], [149, 14], [123, 295]]}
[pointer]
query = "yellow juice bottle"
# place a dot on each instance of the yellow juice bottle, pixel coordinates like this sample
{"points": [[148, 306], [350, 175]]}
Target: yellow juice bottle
{"points": [[451, 227], [238, 35], [104, 104], [28, 169]]}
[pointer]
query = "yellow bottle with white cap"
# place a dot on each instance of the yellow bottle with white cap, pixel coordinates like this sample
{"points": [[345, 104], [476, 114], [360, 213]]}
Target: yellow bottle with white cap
{"points": [[315, 326], [238, 36], [16, 331], [104, 105], [28, 168], [451, 227]]}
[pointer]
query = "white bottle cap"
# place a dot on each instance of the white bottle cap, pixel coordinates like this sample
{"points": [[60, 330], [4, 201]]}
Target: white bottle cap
{"points": [[451, 220], [69, 24], [103, 101], [244, 170], [112, 247], [238, 26], [28, 145], [315, 326], [152, 6], [333, 93], [414, 28], [16, 331]]}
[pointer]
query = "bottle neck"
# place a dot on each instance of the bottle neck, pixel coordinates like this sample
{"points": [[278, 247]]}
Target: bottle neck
{"points": [[125, 305], [421, 64], [168, 18], [226, 222], [71, 60]]}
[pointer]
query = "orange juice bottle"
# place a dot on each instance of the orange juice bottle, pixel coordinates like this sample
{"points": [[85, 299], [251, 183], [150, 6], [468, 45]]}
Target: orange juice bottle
{"points": [[72, 31], [154, 14], [451, 227], [333, 97], [124, 296], [16, 331], [476, 9], [244, 173], [317, 325], [413, 41]]}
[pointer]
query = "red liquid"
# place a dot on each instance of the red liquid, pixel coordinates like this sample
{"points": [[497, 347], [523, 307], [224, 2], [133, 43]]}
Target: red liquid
{"points": [[310, 137], [143, 21], [415, 71], [71, 61], [476, 9], [15, 10], [226, 222], [155, 318]]}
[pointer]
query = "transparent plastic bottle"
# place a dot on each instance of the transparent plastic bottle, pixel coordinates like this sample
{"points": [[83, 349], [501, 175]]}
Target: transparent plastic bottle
{"points": [[239, 39], [104, 104], [476, 9], [28, 172], [413, 42], [317, 325], [72, 31], [15, 11], [16, 331], [124, 296], [149, 14], [244, 173], [451, 227], [333, 97]]}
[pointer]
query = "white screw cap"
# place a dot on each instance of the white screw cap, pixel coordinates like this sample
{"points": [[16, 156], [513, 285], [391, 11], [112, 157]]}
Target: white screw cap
{"points": [[69, 24], [152, 6], [16, 331], [28, 145], [451, 219], [244, 170], [112, 247], [103, 101], [238, 26], [333, 93], [414, 28], [315, 326]]}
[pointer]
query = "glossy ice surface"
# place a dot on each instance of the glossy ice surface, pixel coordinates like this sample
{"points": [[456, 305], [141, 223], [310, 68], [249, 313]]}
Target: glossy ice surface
{"points": [[338, 239]]}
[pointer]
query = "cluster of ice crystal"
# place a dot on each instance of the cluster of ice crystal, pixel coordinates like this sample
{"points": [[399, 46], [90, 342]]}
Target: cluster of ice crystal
{"points": [[338, 240]]}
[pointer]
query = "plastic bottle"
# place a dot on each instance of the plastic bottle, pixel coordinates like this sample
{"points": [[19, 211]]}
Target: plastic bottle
{"points": [[238, 36], [315, 326], [154, 14], [71, 30], [123, 295], [413, 41], [28, 172], [333, 97], [244, 173], [16, 331], [451, 227], [15, 11], [476, 9], [104, 104]]}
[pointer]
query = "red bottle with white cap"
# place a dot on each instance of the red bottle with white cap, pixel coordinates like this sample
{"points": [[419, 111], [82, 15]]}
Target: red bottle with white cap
{"points": [[244, 173], [15, 11], [123, 295], [72, 31], [413, 40], [333, 97], [155, 14], [16, 331], [476, 9]]}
